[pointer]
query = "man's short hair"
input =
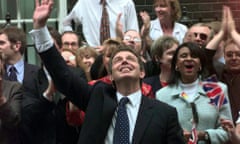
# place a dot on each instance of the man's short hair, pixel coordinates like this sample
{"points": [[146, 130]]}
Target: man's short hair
{"points": [[14, 35]]}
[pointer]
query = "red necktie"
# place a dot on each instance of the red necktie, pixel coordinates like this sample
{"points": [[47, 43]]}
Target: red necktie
{"points": [[104, 27]]}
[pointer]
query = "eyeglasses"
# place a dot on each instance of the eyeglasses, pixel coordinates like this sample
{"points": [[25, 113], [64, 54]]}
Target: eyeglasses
{"points": [[202, 36], [135, 39], [73, 44]]}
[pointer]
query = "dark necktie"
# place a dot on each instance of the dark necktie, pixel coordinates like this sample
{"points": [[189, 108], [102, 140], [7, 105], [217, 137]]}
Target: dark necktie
{"points": [[104, 27], [121, 130], [12, 74]]}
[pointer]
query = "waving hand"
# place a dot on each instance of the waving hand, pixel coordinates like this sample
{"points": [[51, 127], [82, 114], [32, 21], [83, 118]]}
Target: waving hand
{"points": [[42, 12]]}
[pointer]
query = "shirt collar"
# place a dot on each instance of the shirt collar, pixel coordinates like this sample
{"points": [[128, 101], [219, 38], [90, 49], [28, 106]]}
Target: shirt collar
{"points": [[134, 98], [19, 66]]}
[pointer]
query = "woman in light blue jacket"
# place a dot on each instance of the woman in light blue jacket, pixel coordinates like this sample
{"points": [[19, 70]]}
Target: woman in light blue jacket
{"points": [[200, 103]]}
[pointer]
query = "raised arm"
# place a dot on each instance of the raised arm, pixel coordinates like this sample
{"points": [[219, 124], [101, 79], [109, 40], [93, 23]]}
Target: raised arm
{"points": [[42, 13], [119, 27], [145, 29], [232, 27], [214, 43], [67, 82]]}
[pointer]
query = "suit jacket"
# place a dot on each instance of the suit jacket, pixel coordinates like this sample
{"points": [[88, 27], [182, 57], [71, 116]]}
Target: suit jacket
{"points": [[208, 114], [30, 72], [10, 112], [44, 122], [157, 123]]}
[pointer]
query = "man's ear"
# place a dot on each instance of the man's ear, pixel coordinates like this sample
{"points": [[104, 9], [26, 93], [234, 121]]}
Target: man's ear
{"points": [[17, 45]]}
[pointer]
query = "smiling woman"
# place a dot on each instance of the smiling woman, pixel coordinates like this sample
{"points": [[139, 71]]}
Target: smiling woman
{"points": [[187, 89], [168, 12], [188, 63]]}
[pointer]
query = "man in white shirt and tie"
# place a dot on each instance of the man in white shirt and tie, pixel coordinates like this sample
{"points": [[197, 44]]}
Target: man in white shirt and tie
{"points": [[89, 13]]}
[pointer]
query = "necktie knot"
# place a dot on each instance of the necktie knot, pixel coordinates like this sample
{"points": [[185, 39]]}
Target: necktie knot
{"points": [[12, 74], [123, 101], [12, 69]]}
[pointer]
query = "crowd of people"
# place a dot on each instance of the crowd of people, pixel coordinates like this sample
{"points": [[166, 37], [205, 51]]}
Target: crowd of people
{"points": [[163, 84]]}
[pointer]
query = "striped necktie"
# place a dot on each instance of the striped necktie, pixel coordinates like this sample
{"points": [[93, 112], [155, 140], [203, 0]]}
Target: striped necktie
{"points": [[104, 27]]}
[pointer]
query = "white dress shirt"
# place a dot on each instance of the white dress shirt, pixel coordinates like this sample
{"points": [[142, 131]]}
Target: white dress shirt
{"points": [[89, 13], [179, 30], [42, 38], [132, 111]]}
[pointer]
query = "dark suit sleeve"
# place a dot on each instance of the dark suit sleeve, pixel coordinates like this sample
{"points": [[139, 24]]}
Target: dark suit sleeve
{"points": [[10, 111], [68, 83], [175, 132]]}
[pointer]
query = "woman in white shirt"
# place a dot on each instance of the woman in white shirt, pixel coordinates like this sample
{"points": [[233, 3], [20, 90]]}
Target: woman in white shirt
{"points": [[168, 12]]}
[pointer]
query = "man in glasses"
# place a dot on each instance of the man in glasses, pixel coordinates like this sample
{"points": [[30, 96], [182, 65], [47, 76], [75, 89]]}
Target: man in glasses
{"points": [[132, 38], [203, 35], [70, 40], [199, 33]]}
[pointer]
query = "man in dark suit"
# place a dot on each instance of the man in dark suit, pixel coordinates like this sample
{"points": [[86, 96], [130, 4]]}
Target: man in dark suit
{"points": [[151, 122], [10, 109], [13, 44]]}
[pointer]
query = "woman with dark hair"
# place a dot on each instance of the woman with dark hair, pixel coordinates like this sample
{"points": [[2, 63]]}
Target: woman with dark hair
{"points": [[200, 103], [196, 53]]}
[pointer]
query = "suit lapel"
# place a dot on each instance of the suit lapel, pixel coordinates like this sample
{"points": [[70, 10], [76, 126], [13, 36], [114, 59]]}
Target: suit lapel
{"points": [[109, 106], [29, 71], [144, 116], [26, 73]]}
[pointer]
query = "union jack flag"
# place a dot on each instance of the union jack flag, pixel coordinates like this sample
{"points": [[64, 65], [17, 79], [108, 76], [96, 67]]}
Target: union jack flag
{"points": [[194, 137], [215, 93]]}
